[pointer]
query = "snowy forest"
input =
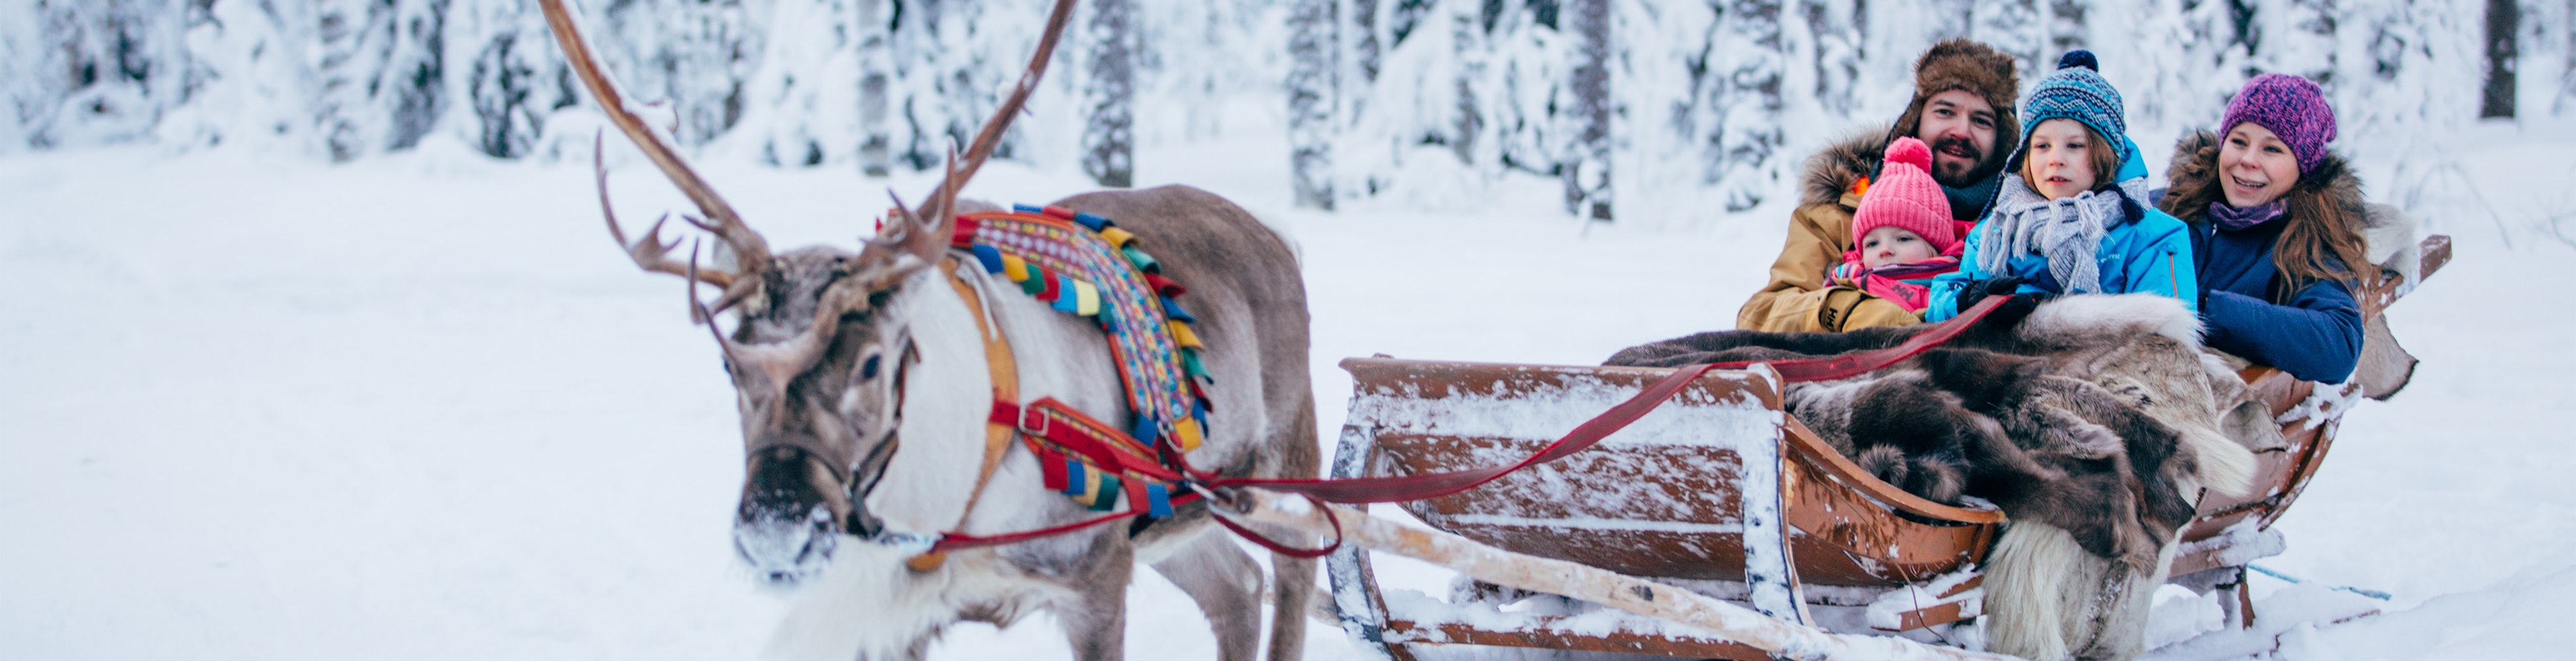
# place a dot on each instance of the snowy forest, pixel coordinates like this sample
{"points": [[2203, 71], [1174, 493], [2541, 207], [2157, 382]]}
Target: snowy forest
{"points": [[1701, 102]]}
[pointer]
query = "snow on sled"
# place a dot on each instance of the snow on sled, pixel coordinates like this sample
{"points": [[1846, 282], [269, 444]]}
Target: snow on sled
{"points": [[1721, 492]]}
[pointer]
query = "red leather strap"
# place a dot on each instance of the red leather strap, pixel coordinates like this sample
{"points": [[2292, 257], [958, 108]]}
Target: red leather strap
{"points": [[1080, 434], [1851, 365], [958, 540], [1284, 549]]}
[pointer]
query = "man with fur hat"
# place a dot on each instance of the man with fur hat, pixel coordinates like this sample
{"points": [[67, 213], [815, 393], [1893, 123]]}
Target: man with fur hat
{"points": [[1964, 94]]}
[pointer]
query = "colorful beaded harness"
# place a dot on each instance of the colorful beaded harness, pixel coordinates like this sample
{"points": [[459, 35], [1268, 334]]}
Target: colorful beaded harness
{"points": [[1086, 265]]}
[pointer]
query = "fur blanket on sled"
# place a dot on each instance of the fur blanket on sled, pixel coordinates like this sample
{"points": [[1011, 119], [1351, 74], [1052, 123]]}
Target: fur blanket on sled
{"points": [[2094, 422]]}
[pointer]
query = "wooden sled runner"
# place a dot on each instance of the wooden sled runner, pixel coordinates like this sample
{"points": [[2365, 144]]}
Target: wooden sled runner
{"points": [[1721, 493]]}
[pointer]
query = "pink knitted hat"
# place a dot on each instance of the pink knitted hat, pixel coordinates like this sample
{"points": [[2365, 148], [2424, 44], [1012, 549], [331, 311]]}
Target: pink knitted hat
{"points": [[1904, 196]]}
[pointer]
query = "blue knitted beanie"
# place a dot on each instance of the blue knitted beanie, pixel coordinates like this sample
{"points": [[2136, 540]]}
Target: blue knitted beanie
{"points": [[2075, 91]]}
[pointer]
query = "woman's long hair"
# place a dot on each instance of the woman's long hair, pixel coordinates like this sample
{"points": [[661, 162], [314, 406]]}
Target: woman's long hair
{"points": [[2324, 214], [2323, 240]]}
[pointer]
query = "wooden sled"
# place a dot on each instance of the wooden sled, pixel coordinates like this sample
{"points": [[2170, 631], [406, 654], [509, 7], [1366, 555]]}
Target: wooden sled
{"points": [[1720, 492]]}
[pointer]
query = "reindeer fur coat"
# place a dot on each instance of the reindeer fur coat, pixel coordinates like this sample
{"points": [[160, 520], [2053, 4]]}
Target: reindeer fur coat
{"points": [[2094, 422]]}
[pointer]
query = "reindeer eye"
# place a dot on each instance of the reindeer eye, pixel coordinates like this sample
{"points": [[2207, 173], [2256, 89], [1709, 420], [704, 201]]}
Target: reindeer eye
{"points": [[868, 369]]}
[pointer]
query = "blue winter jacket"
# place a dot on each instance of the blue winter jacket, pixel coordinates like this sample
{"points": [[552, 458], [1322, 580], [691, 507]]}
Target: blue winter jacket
{"points": [[2314, 334], [2148, 252]]}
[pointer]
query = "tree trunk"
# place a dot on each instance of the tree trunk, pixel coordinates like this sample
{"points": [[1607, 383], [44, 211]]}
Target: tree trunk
{"points": [[1587, 174], [2504, 18], [1364, 45], [1311, 86], [1109, 131], [876, 72]]}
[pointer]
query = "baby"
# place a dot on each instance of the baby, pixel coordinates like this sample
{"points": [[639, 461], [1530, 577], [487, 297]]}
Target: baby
{"points": [[1902, 231]]}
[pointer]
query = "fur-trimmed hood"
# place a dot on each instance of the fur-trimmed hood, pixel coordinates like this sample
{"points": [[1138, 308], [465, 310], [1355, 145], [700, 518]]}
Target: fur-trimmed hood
{"points": [[1833, 170]]}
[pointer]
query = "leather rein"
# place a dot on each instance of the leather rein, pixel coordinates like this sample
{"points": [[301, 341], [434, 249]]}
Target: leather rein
{"points": [[1000, 429]]}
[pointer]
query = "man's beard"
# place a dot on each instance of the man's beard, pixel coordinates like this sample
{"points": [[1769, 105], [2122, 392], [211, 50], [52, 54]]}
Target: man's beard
{"points": [[1974, 160]]}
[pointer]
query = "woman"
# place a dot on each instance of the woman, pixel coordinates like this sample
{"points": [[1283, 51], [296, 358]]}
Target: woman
{"points": [[2076, 219], [2275, 221]]}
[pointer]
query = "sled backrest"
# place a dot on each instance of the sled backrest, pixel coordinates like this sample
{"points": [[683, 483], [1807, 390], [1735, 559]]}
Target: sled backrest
{"points": [[1673, 495]]}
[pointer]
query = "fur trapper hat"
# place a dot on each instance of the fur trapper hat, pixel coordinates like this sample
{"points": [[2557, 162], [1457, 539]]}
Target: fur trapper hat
{"points": [[1960, 64]]}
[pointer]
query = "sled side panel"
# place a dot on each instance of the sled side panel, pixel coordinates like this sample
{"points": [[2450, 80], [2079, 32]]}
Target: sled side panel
{"points": [[1658, 498], [1664, 497]]}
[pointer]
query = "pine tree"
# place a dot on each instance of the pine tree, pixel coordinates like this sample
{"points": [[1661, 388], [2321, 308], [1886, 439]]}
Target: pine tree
{"points": [[517, 76], [1743, 144], [1836, 29], [2015, 28], [105, 71], [383, 68]]}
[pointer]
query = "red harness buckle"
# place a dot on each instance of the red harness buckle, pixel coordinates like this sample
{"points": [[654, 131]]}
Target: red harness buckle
{"points": [[1040, 430]]}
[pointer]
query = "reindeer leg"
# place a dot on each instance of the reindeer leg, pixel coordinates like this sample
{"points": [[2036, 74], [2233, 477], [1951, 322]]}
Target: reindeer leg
{"points": [[1095, 624], [1296, 588], [1226, 583]]}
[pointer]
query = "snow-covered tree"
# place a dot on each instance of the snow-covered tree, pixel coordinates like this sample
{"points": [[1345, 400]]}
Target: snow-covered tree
{"points": [[517, 78], [1311, 47], [97, 72], [383, 74], [1109, 93], [1747, 69]]}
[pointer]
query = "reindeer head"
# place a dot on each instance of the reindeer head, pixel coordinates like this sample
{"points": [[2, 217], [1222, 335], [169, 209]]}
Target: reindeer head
{"points": [[816, 356]]}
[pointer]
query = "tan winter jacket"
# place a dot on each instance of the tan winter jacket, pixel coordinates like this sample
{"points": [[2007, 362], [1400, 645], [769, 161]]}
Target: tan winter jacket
{"points": [[1797, 299]]}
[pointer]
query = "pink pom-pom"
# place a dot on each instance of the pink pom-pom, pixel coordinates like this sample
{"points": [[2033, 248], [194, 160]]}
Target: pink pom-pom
{"points": [[1910, 151]]}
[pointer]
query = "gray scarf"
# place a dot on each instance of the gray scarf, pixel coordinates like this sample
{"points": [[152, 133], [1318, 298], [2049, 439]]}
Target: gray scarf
{"points": [[2068, 231]]}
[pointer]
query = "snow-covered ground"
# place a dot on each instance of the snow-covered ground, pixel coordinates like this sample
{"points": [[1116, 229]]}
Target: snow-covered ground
{"points": [[419, 407]]}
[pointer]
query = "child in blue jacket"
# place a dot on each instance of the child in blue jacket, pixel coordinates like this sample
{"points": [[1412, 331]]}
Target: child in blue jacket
{"points": [[2077, 219]]}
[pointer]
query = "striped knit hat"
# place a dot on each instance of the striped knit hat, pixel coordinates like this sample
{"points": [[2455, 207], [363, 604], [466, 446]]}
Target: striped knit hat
{"points": [[2292, 108], [2076, 91]]}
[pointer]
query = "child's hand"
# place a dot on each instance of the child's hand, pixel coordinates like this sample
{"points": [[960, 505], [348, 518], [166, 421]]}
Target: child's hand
{"points": [[1848, 274]]}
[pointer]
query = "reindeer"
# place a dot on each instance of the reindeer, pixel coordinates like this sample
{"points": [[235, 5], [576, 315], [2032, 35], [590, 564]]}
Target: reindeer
{"points": [[863, 381]]}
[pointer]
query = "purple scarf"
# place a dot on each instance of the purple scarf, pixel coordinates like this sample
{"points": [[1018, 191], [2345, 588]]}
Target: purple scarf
{"points": [[2233, 219]]}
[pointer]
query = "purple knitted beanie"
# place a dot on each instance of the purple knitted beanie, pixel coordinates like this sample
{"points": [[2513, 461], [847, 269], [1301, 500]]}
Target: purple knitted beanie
{"points": [[2292, 108]]}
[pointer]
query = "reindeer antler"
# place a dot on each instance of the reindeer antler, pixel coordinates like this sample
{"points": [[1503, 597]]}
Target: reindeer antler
{"points": [[649, 252], [941, 204], [751, 251]]}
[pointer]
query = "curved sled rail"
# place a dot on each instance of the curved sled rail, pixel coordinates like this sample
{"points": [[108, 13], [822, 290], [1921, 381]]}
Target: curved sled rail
{"points": [[1772, 637]]}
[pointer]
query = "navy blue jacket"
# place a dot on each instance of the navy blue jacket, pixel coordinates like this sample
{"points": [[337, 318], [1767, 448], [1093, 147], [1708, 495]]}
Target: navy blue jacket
{"points": [[2313, 333]]}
